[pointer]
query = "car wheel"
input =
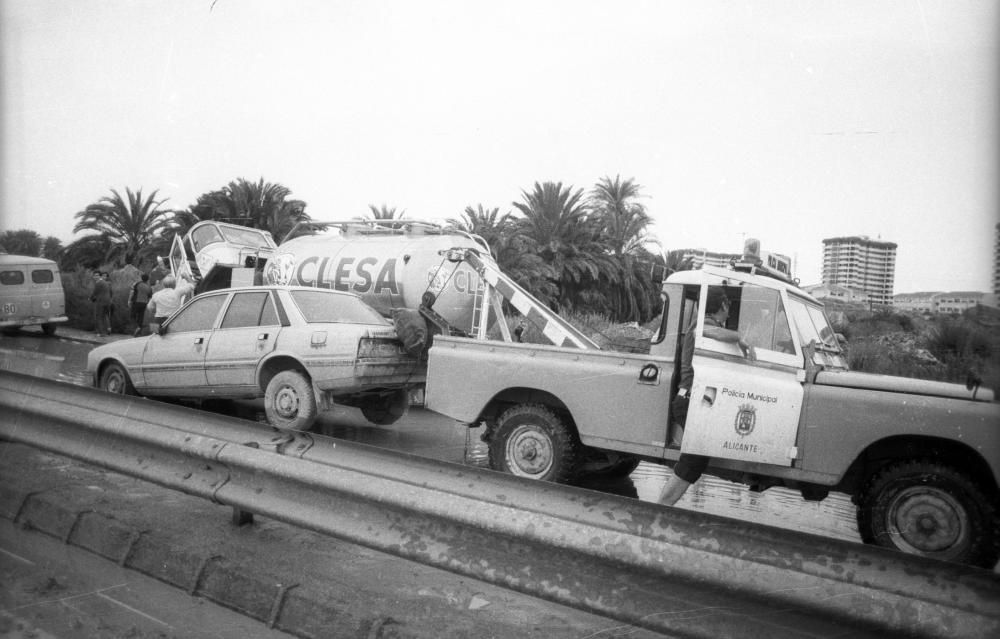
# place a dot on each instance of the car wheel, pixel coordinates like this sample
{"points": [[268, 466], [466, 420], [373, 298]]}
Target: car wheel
{"points": [[115, 379], [931, 509], [532, 441], [290, 402], [387, 410]]}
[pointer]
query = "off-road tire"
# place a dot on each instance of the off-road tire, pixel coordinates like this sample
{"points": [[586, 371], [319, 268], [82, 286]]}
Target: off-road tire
{"points": [[532, 441], [290, 402], [387, 410], [929, 508], [115, 379]]}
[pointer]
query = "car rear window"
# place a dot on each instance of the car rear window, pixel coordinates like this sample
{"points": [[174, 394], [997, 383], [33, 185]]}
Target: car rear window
{"points": [[321, 306], [42, 276], [11, 278]]}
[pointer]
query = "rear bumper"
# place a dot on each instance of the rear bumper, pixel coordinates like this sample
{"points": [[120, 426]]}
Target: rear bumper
{"points": [[33, 321]]}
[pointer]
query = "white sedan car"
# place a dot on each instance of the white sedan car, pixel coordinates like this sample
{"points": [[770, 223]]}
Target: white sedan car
{"points": [[301, 349]]}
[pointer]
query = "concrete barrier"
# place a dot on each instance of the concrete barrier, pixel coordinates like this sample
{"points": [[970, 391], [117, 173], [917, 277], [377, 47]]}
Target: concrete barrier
{"points": [[636, 562]]}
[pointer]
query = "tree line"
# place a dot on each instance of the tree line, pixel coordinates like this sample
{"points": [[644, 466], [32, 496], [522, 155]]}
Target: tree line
{"points": [[575, 250]]}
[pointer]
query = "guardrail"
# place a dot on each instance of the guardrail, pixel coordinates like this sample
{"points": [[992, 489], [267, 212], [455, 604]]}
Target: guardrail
{"points": [[639, 563]]}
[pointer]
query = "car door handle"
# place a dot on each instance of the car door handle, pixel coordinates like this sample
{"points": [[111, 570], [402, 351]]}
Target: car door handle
{"points": [[262, 336], [199, 340]]}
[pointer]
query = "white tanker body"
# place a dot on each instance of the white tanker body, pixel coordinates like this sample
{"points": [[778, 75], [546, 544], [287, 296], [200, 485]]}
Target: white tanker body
{"points": [[388, 263]]}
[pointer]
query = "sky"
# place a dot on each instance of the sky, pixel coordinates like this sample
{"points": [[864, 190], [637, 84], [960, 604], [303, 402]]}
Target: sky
{"points": [[786, 121]]}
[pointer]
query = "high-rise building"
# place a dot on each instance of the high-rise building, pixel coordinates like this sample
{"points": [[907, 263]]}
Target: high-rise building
{"points": [[861, 264]]}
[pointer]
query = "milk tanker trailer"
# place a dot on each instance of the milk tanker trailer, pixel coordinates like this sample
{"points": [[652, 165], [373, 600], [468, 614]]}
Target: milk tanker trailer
{"points": [[389, 264]]}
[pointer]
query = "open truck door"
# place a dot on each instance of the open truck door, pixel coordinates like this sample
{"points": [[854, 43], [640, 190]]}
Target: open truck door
{"points": [[744, 409], [179, 264]]}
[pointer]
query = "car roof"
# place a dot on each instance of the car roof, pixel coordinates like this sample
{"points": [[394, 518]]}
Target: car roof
{"points": [[14, 260], [716, 275]]}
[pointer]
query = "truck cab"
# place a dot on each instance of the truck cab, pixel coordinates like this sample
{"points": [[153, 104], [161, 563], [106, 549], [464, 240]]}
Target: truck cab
{"points": [[759, 401]]}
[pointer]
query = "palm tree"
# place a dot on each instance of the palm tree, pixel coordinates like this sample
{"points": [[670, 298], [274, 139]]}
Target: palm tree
{"points": [[567, 238], [261, 205], [385, 212], [625, 223], [129, 226], [22, 242], [486, 223], [51, 248]]}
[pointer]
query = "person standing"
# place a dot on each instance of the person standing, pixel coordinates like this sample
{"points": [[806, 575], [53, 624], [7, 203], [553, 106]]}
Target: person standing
{"points": [[168, 299], [138, 299], [689, 468], [101, 297]]}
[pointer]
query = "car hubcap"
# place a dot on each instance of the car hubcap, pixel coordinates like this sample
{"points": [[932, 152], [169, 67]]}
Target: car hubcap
{"points": [[927, 520], [286, 403], [529, 452], [115, 383]]}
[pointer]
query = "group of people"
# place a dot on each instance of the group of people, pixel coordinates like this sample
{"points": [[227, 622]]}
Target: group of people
{"points": [[142, 301]]}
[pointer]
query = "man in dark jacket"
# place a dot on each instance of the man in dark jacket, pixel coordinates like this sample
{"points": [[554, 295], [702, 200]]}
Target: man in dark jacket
{"points": [[137, 301], [101, 297]]}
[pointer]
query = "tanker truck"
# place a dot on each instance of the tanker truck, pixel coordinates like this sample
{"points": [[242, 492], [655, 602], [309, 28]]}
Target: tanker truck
{"points": [[390, 264]]}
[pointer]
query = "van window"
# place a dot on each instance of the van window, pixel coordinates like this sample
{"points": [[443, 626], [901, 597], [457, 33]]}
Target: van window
{"points": [[42, 276], [11, 278]]}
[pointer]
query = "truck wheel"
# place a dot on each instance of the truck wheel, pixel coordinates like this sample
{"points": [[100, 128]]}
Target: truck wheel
{"points": [[115, 379], [290, 402], [928, 508], [532, 441], [387, 410]]}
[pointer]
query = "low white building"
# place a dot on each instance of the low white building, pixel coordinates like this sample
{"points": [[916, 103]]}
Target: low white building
{"points": [[944, 302], [837, 293]]}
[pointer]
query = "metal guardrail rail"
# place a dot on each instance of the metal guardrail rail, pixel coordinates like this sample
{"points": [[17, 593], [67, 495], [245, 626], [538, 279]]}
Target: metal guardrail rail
{"points": [[620, 558]]}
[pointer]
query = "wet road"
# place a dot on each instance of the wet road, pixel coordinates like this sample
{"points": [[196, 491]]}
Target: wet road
{"points": [[427, 434]]}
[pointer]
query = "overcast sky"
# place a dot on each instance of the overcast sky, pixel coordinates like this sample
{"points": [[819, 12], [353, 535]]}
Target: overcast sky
{"points": [[788, 121]]}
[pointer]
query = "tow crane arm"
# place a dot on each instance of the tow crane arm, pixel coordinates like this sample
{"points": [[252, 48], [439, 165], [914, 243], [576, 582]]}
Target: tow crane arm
{"points": [[495, 287]]}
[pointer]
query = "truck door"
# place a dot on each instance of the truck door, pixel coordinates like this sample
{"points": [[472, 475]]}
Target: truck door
{"points": [[179, 259], [742, 409]]}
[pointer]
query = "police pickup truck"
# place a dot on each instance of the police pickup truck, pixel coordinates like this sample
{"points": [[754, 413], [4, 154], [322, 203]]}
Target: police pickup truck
{"points": [[920, 459]]}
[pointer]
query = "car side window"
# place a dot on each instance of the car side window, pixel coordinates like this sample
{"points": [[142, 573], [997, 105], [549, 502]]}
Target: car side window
{"points": [[199, 315], [250, 309], [11, 278], [42, 276]]}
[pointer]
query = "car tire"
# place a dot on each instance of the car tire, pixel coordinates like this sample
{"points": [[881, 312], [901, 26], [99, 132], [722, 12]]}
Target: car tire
{"points": [[290, 402], [115, 379], [931, 509], [532, 441], [387, 410]]}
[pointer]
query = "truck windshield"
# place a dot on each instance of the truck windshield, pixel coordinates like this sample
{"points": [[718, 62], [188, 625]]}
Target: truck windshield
{"points": [[247, 237], [812, 325]]}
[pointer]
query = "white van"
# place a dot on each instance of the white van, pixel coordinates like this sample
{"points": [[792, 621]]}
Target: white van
{"points": [[31, 293]]}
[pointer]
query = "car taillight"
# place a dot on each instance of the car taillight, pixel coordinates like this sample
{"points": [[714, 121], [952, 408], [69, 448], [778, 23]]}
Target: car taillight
{"points": [[369, 347]]}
